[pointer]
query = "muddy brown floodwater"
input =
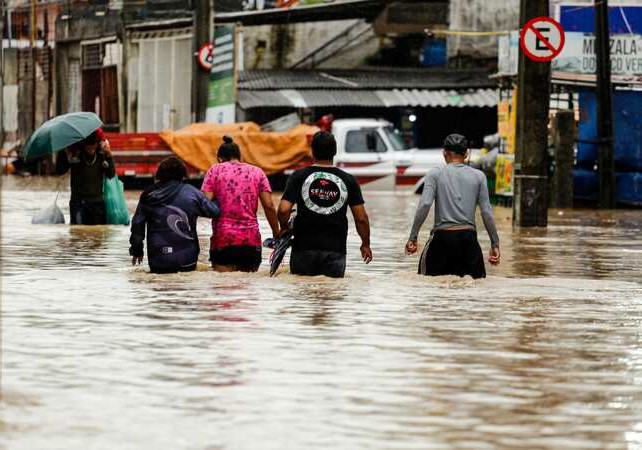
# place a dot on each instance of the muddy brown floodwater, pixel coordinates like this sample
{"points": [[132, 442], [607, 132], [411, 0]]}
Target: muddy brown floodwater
{"points": [[544, 353]]}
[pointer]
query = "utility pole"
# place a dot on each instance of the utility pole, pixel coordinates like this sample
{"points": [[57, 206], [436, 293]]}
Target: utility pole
{"points": [[530, 202], [34, 60], [605, 160], [200, 82], [2, 22]]}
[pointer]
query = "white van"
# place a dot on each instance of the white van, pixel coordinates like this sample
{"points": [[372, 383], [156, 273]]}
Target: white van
{"points": [[374, 151]]}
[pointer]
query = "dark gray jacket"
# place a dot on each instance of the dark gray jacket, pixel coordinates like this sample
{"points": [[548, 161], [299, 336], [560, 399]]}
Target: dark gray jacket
{"points": [[169, 212]]}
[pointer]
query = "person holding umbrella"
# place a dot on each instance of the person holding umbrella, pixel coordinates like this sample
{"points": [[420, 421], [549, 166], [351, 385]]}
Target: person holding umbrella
{"points": [[86, 154], [89, 160]]}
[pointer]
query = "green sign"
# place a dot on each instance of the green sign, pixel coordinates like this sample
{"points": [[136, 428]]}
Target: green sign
{"points": [[221, 103]]}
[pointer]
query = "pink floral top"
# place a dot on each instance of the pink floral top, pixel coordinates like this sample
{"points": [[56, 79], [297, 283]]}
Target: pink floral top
{"points": [[236, 187]]}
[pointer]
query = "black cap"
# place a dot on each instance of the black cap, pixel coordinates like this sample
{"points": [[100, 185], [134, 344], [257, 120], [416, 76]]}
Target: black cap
{"points": [[456, 143]]}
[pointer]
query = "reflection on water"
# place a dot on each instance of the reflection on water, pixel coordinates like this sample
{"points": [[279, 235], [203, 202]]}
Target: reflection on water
{"points": [[545, 353]]}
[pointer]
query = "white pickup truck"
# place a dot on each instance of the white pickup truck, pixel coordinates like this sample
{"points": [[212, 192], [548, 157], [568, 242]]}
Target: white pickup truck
{"points": [[374, 152]]}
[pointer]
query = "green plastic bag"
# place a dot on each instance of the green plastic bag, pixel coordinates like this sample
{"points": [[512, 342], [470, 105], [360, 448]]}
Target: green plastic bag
{"points": [[115, 204]]}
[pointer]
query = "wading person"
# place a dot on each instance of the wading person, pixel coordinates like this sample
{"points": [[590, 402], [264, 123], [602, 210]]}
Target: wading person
{"points": [[322, 194], [238, 188], [456, 189], [89, 160], [168, 210]]}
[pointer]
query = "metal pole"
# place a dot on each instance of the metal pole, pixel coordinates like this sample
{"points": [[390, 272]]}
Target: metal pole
{"points": [[530, 202], [605, 164]]}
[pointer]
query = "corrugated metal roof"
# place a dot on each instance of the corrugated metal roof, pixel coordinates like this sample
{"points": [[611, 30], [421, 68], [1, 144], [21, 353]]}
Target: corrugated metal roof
{"points": [[301, 98], [365, 79]]}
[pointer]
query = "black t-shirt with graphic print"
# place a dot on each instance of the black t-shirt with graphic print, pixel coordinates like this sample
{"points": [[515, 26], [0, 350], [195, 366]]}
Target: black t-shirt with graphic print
{"points": [[322, 196]]}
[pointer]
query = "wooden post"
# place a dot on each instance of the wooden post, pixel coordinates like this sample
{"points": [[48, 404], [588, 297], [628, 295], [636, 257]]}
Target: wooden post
{"points": [[564, 138], [533, 86], [605, 164], [2, 13], [33, 35], [201, 78]]}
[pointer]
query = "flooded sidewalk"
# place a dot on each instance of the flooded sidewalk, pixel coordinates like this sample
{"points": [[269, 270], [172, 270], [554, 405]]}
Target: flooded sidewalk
{"points": [[544, 353]]}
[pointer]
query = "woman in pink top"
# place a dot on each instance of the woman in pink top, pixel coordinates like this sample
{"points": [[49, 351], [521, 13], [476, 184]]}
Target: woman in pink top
{"points": [[237, 187]]}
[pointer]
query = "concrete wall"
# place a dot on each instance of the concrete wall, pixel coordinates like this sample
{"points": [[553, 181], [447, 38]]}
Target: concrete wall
{"points": [[480, 15], [284, 45]]}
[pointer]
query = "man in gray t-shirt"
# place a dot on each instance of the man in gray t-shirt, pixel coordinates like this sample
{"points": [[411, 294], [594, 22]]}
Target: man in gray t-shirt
{"points": [[456, 189]]}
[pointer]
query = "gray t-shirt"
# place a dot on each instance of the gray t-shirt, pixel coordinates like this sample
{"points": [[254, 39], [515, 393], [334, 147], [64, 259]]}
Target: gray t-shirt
{"points": [[456, 190]]}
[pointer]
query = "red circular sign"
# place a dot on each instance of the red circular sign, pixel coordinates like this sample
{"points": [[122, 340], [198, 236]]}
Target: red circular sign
{"points": [[542, 39], [205, 56]]}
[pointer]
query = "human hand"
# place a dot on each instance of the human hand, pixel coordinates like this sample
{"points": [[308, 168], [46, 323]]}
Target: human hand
{"points": [[411, 247], [136, 260], [366, 253], [494, 256], [282, 232], [105, 148]]}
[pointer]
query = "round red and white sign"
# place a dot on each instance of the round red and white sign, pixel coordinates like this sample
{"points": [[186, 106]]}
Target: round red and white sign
{"points": [[205, 56], [542, 39]]}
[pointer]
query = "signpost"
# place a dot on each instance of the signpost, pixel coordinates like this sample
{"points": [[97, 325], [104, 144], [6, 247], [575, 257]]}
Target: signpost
{"points": [[542, 39], [205, 56]]}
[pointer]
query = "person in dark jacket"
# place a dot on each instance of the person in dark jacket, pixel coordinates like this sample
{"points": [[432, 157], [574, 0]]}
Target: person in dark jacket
{"points": [[89, 160], [169, 210]]}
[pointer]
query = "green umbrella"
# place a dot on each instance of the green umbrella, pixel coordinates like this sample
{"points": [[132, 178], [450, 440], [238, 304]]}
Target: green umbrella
{"points": [[60, 132]]}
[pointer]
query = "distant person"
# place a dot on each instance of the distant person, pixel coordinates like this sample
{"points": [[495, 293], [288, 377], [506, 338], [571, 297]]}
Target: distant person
{"points": [[322, 194], [238, 188], [89, 160], [456, 189], [168, 210]]}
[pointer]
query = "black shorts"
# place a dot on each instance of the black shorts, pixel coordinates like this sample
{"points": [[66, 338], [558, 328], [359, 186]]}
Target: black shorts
{"points": [[318, 262], [84, 212], [455, 252], [245, 258]]}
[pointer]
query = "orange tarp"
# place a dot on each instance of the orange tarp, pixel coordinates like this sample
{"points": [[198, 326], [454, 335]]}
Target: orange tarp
{"points": [[273, 152]]}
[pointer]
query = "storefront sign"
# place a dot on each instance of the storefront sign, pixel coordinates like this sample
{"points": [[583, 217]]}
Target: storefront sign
{"points": [[578, 55], [221, 104], [504, 175]]}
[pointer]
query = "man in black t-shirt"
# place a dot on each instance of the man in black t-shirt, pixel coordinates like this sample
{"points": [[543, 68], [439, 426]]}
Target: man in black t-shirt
{"points": [[322, 194]]}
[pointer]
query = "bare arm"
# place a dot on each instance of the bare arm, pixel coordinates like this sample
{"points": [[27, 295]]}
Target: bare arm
{"points": [[209, 195], [270, 212], [362, 223], [285, 211], [489, 221]]}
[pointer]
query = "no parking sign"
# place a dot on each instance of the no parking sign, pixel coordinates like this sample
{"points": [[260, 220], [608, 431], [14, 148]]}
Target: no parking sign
{"points": [[542, 39]]}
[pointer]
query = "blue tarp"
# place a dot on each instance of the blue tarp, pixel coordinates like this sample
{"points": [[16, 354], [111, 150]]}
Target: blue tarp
{"points": [[628, 186], [627, 130]]}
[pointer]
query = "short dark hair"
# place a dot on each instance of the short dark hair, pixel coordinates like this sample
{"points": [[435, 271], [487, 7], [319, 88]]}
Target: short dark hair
{"points": [[229, 150], [324, 146], [456, 143], [90, 140], [171, 168]]}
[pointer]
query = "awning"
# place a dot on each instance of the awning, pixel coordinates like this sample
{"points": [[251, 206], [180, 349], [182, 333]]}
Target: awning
{"points": [[312, 98], [340, 10]]}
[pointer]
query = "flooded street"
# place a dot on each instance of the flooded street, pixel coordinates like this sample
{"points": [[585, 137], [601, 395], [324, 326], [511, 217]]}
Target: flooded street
{"points": [[544, 353]]}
